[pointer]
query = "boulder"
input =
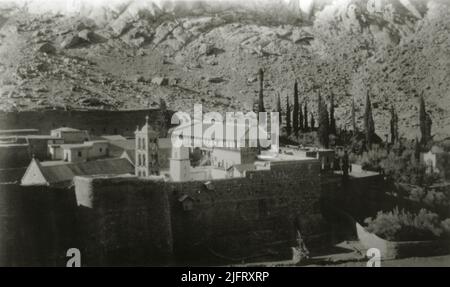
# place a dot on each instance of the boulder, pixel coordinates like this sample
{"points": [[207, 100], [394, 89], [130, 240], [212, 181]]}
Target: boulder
{"points": [[139, 79], [85, 34], [301, 36], [121, 25], [216, 80], [160, 81], [72, 41], [206, 49], [47, 48], [89, 36]]}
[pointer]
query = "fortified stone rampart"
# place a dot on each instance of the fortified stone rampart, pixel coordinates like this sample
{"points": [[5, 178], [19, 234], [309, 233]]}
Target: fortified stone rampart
{"points": [[135, 221], [124, 221], [210, 222]]}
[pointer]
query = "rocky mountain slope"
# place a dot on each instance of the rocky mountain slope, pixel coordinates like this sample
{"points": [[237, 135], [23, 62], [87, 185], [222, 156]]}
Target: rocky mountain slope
{"points": [[129, 54]]}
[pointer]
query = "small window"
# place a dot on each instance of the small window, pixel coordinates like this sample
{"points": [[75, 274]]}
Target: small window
{"points": [[80, 154], [101, 149]]}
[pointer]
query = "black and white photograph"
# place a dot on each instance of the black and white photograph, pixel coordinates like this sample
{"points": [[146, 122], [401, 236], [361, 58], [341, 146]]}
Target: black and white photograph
{"points": [[225, 133]]}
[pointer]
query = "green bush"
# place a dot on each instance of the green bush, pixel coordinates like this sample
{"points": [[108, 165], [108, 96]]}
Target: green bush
{"points": [[405, 168], [372, 159], [405, 226]]}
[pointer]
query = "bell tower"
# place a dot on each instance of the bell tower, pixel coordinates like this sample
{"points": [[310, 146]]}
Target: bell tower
{"points": [[146, 161]]}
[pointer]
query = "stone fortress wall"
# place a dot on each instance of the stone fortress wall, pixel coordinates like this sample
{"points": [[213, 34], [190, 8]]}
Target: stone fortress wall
{"points": [[131, 221]]}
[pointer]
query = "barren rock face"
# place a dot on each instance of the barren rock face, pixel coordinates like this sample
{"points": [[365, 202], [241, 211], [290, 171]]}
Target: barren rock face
{"points": [[210, 52]]}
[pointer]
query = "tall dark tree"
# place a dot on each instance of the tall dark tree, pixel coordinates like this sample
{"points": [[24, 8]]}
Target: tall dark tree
{"points": [[261, 88], [288, 117], [324, 123], [332, 119], [300, 118], [394, 126], [278, 109], [164, 118], [417, 149], [313, 122], [425, 122], [305, 115], [422, 119], [428, 123], [354, 116], [295, 124], [369, 125]]}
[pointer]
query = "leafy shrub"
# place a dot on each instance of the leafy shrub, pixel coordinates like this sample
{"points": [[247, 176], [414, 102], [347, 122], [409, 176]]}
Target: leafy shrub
{"points": [[405, 226], [372, 159], [406, 168]]}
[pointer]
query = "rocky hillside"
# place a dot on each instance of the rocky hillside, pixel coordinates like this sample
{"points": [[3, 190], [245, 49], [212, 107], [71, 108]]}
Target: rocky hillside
{"points": [[129, 54]]}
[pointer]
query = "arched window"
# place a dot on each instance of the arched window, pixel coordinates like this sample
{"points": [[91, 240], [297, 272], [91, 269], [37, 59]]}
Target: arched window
{"points": [[139, 159], [143, 160]]}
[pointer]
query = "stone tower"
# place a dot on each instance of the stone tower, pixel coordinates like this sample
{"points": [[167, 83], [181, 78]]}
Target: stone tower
{"points": [[180, 164], [146, 161]]}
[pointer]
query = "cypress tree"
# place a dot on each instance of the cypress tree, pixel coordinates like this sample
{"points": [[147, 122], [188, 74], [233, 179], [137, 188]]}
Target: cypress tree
{"points": [[313, 122], [417, 149], [295, 114], [305, 113], [324, 124], [354, 116], [278, 109], [300, 117], [261, 87], [425, 122], [164, 118], [288, 117], [394, 126], [332, 119], [369, 125]]}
